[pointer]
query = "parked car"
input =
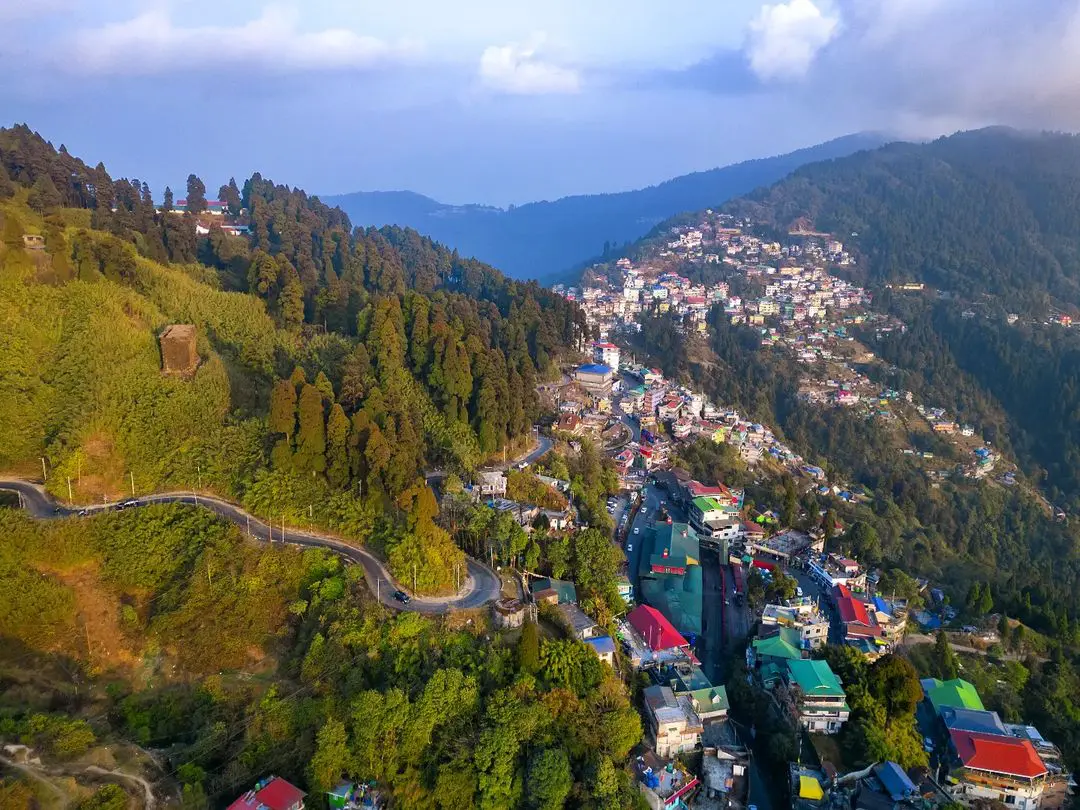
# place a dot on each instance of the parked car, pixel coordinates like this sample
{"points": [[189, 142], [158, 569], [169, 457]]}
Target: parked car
{"points": [[629, 546], [637, 530], [402, 597]]}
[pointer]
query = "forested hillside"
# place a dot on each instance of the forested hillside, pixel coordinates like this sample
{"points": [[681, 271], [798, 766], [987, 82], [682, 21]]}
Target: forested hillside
{"points": [[546, 239], [337, 364], [162, 626], [992, 211]]}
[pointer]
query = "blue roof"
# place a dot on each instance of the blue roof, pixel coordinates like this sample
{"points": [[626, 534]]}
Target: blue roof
{"points": [[595, 368], [879, 603], [980, 722], [896, 782], [602, 644]]}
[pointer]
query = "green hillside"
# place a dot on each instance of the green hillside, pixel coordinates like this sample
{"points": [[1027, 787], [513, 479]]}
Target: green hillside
{"points": [[336, 365]]}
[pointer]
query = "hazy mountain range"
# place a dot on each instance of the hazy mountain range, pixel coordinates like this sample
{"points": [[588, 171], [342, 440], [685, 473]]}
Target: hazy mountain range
{"points": [[545, 239]]}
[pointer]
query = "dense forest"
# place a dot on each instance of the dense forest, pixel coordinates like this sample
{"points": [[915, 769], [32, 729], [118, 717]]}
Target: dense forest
{"points": [[1019, 384], [988, 212], [303, 675], [338, 364]]}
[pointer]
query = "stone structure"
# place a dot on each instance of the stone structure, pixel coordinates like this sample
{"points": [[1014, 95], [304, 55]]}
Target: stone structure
{"points": [[178, 354], [509, 613]]}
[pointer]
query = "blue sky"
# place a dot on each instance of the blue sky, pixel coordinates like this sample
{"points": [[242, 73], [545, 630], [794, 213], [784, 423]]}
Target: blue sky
{"points": [[504, 101]]}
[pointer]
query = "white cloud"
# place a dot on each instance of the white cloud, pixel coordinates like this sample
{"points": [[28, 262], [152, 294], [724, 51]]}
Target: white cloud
{"points": [[783, 39], [152, 43], [518, 69]]}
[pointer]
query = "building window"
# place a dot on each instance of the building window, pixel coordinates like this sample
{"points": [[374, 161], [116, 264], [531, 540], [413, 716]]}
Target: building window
{"points": [[1010, 800]]}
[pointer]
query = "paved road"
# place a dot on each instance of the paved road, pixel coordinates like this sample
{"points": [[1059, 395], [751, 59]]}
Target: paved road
{"points": [[481, 585]]}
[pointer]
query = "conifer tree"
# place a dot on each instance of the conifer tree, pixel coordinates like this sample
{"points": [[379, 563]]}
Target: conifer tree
{"points": [[311, 436], [337, 447]]}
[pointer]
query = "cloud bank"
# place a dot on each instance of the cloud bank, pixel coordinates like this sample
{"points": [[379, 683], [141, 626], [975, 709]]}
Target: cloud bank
{"points": [[519, 69], [152, 43]]}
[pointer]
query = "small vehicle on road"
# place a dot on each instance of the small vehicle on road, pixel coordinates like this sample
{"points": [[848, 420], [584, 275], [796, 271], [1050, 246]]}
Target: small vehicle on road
{"points": [[402, 597], [637, 530], [126, 504], [798, 592], [629, 546]]}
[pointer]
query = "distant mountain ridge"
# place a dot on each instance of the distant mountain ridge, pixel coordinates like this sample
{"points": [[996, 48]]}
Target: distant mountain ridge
{"points": [[544, 239]]}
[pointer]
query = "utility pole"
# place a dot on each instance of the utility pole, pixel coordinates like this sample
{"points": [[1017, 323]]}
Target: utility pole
{"points": [[378, 589], [70, 499], [414, 578], [198, 470], [209, 579], [131, 474], [44, 473], [247, 519]]}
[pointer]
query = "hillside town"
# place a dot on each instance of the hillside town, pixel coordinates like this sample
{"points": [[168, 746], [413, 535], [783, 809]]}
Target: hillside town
{"points": [[706, 572]]}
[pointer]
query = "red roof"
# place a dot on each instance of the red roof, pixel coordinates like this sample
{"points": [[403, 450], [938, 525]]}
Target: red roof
{"points": [[841, 591], [990, 752], [654, 627], [852, 610], [280, 795]]}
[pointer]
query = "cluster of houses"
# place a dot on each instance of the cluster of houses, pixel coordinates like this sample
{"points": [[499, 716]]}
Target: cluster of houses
{"points": [[983, 759], [489, 487]]}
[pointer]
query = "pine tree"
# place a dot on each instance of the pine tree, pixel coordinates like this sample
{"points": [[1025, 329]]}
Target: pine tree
{"points": [[326, 388], [311, 437], [43, 195], [528, 648], [167, 200], [283, 408], [291, 300], [196, 195], [337, 447]]}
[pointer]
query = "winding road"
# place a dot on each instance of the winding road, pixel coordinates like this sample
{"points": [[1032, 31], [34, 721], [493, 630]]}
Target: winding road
{"points": [[481, 585]]}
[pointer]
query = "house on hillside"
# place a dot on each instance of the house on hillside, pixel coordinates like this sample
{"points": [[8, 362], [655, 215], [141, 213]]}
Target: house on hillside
{"points": [[272, 793], [553, 591], [821, 701]]}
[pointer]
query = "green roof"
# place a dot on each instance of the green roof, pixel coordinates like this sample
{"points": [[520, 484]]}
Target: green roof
{"points": [[566, 590], [956, 694], [776, 647], [707, 504], [815, 678], [710, 699]]}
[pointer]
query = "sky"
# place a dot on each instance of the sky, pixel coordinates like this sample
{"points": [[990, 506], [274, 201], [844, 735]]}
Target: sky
{"points": [[509, 101]]}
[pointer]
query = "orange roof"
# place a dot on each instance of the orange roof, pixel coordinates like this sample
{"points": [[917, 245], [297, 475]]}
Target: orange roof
{"points": [[1009, 756]]}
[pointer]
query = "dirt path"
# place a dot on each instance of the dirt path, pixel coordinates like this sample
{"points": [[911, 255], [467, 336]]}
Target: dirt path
{"points": [[148, 791]]}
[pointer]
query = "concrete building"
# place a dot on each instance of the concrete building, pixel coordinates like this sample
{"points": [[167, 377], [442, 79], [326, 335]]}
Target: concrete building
{"points": [[672, 722], [821, 701], [490, 484], [596, 378]]}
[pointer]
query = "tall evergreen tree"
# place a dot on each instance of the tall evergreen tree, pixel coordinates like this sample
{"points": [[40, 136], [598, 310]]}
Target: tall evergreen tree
{"points": [[337, 447], [291, 300], [196, 195], [311, 436]]}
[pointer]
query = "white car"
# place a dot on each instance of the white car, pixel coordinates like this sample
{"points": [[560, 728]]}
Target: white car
{"points": [[629, 547], [637, 530], [798, 592]]}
